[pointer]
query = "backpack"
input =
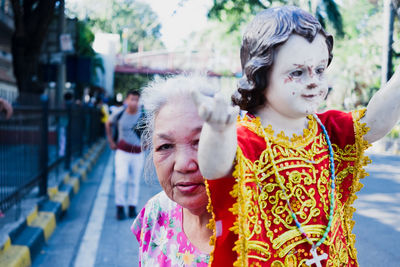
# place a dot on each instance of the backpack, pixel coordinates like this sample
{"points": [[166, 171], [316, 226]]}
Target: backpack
{"points": [[115, 125], [138, 129]]}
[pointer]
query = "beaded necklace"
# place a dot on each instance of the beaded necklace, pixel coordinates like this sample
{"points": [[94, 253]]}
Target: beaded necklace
{"points": [[315, 259]]}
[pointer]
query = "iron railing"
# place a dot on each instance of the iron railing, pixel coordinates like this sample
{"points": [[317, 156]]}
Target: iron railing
{"points": [[38, 141]]}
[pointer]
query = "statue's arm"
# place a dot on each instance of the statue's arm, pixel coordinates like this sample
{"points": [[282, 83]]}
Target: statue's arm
{"points": [[383, 110], [217, 145]]}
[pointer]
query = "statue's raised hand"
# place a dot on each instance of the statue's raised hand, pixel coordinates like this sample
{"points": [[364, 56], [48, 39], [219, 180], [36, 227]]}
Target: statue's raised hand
{"points": [[215, 110]]}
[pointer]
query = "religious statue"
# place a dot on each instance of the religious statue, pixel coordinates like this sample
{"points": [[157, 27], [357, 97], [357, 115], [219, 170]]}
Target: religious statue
{"points": [[282, 178]]}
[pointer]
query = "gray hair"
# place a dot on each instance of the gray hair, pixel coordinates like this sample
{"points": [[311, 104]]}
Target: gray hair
{"points": [[160, 92]]}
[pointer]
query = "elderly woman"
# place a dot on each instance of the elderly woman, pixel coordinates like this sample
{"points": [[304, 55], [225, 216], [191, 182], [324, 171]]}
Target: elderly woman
{"points": [[172, 227]]}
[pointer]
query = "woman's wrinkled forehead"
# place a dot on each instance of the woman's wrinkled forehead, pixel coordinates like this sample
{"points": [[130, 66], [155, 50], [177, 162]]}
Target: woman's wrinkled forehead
{"points": [[176, 115]]}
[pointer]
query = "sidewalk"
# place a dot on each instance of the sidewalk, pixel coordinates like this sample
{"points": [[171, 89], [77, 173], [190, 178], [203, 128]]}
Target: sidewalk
{"points": [[89, 234], [26, 227]]}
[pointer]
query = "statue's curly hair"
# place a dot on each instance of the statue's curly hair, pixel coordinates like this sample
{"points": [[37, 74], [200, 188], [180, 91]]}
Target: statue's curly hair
{"points": [[266, 32]]}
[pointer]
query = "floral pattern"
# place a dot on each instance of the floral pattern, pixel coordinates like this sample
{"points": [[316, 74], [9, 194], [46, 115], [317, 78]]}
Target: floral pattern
{"points": [[162, 242]]}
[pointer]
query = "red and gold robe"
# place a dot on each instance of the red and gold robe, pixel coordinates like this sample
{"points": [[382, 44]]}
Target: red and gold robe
{"points": [[252, 223]]}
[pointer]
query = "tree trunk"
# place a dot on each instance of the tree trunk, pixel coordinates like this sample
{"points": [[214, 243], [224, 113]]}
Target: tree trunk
{"points": [[388, 15], [396, 5], [31, 18]]}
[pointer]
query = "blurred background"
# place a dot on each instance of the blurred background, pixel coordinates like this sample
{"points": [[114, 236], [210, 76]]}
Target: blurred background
{"points": [[64, 64], [99, 48]]}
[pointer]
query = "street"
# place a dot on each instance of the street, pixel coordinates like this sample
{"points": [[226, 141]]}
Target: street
{"points": [[377, 217], [89, 234]]}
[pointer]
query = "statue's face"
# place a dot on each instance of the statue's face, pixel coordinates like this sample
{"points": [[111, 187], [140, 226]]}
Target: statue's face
{"points": [[297, 84]]}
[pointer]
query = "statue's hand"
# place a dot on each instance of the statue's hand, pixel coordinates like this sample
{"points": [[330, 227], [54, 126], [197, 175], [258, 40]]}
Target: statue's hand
{"points": [[215, 111]]}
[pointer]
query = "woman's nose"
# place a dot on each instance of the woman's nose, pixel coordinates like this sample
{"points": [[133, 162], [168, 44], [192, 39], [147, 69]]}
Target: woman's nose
{"points": [[186, 160]]}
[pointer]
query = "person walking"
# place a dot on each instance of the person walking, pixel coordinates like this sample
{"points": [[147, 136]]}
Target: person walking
{"points": [[129, 158]]}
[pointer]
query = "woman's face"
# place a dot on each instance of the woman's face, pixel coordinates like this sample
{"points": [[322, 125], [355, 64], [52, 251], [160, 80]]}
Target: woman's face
{"points": [[176, 135]]}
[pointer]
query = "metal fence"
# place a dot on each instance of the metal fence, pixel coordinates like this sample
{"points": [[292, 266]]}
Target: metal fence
{"points": [[38, 140]]}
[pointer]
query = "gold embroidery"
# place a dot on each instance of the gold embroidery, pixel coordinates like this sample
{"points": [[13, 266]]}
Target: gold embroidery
{"points": [[290, 261], [254, 124], [304, 161], [292, 234]]}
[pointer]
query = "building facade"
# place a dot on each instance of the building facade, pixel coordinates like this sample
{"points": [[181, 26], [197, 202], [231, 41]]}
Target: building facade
{"points": [[8, 87]]}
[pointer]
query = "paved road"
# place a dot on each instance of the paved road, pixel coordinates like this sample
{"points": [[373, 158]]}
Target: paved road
{"points": [[116, 245], [377, 217], [110, 242]]}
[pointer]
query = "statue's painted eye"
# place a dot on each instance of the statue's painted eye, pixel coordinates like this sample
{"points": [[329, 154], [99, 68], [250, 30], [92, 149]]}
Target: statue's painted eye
{"points": [[320, 70], [296, 73]]}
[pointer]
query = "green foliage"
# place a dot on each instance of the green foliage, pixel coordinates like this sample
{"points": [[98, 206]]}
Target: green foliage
{"points": [[84, 48], [395, 132], [328, 10], [125, 82], [235, 13], [355, 70], [85, 39], [132, 20], [239, 12]]}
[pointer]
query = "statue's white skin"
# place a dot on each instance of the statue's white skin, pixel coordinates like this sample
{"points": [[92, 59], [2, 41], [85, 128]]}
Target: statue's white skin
{"points": [[297, 86]]}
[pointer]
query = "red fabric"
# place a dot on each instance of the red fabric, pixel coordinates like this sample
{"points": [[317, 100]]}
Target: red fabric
{"points": [[222, 202], [124, 146], [339, 126]]}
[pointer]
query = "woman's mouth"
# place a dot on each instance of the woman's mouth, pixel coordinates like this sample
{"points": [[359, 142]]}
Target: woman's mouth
{"points": [[188, 187]]}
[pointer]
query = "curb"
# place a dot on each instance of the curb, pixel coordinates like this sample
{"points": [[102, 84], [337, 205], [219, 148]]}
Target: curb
{"points": [[25, 240]]}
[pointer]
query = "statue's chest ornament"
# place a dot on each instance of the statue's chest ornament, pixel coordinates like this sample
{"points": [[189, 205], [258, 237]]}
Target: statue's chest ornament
{"points": [[316, 259]]}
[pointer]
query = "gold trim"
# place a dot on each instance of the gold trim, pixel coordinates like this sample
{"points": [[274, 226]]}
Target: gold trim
{"points": [[211, 224], [239, 209], [360, 129], [296, 141]]}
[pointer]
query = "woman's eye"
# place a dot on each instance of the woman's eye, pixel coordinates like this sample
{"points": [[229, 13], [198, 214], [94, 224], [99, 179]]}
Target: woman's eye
{"points": [[164, 147], [296, 73], [196, 143]]}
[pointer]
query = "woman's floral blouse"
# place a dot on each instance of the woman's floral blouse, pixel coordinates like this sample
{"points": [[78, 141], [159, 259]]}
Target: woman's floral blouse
{"points": [[162, 242]]}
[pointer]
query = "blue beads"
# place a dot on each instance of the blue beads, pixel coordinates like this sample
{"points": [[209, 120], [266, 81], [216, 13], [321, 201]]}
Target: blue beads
{"points": [[332, 194]]}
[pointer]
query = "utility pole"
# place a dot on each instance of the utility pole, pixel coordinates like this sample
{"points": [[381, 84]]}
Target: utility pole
{"points": [[387, 51], [61, 67]]}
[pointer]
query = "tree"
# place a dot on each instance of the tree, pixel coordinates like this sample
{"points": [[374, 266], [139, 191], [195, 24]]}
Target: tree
{"points": [[84, 48], [31, 18], [396, 5], [132, 20], [135, 22], [388, 14], [238, 12], [124, 82], [356, 66]]}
